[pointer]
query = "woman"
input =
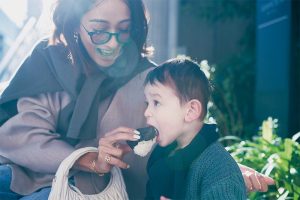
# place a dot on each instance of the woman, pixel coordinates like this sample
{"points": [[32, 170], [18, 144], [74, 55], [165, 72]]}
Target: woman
{"points": [[81, 88]]}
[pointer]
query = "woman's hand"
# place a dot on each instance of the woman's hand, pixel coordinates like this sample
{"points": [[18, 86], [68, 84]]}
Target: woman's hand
{"points": [[254, 180], [110, 152]]}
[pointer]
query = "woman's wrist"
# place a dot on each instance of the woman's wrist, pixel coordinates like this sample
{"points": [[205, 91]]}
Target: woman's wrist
{"points": [[84, 162], [93, 168]]}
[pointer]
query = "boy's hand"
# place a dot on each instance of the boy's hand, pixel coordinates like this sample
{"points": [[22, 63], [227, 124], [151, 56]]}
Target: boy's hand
{"points": [[254, 180]]}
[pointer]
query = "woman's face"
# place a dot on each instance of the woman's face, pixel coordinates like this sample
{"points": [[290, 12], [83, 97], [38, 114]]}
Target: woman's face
{"points": [[112, 16]]}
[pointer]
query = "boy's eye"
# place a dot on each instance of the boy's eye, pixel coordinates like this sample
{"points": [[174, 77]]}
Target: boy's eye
{"points": [[156, 103]]}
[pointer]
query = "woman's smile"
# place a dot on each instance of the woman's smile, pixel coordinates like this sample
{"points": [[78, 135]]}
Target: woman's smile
{"points": [[108, 53], [106, 17]]}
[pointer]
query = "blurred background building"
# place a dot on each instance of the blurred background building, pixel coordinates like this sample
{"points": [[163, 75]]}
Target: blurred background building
{"points": [[252, 46], [20, 28]]}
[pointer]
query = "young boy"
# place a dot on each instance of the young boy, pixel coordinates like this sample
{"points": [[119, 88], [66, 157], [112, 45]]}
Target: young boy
{"points": [[188, 162]]}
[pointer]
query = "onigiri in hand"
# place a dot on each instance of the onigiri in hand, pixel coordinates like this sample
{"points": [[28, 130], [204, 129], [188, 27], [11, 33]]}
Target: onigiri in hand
{"points": [[144, 145]]}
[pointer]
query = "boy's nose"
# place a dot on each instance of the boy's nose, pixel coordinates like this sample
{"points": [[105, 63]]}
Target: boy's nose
{"points": [[147, 112]]}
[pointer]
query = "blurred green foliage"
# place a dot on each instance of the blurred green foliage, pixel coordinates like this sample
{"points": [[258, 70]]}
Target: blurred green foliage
{"points": [[234, 78], [272, 156], [219, 10]]}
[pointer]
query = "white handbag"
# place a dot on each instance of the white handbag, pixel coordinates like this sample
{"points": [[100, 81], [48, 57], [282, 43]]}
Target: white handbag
{"points": [[62, 190]]}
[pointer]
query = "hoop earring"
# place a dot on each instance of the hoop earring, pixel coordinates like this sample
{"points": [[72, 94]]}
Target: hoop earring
{"points": [[76, 36]]}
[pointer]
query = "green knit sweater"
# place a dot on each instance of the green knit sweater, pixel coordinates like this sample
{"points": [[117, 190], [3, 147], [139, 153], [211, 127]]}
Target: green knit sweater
{"points": [[215, 175], [201, 170]]}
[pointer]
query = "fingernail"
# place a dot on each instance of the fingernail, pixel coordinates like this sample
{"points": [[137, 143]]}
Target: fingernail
{"points": [[136, 137], [128, 166], [136, 132]]}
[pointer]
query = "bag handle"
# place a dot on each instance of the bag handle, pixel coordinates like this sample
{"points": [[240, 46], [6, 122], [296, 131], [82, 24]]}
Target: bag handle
{"points": [[116, 188], [61, 179], [67, 164]]}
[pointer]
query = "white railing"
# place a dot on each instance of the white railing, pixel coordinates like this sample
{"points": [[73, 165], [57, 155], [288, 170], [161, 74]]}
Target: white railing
{"points": [[34, 30], [15, 54]]}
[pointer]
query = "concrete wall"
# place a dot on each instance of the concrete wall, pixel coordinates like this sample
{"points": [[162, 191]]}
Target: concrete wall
{"points": [[163, 28]]}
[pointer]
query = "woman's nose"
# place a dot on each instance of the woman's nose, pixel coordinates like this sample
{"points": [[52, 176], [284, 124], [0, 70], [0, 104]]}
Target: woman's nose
{"points": [[113, 42]]}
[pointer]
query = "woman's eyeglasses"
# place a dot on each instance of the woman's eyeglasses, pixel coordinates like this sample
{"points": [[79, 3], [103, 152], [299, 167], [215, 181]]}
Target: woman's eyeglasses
{"points": [[102, 37]]}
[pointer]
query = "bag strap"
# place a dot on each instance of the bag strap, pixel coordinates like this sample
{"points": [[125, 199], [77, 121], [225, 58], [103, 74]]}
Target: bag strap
{"points": [[61, 179], [116, 188], [66, 164]]}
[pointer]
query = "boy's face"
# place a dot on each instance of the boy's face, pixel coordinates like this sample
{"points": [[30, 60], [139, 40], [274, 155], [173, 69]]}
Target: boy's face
{"points": [[164, 112]]}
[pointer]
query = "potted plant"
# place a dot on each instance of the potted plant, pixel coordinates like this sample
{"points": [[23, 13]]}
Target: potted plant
{"points": [[273, 156]]}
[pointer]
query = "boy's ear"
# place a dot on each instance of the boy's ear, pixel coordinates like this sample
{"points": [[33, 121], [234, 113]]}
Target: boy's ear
{"points": [[194, 110]]}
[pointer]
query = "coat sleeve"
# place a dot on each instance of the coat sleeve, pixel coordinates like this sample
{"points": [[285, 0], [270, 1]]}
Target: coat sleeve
{"points": [[29, 139]]}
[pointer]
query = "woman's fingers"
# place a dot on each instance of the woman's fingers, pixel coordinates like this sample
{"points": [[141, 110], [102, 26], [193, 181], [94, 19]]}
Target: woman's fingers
{"points": [[257, 182], [115, 161], [254, 180], [122, 134], [112, 158], [268, 180], [247, 181], [263, 184], [103, 163], [114, 155], [111, 150], [126, 149], [265, 181], [121, 129]]}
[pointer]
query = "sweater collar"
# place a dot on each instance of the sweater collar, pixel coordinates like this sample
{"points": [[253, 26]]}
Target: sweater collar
{"points": [[183, 158]]}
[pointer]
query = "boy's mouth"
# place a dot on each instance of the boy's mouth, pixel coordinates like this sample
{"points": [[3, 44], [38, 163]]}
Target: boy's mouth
{"points": [[156, 131]]}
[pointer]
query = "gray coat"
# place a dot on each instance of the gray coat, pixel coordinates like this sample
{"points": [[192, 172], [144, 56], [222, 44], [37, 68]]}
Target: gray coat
{"points": [[30, 144]]}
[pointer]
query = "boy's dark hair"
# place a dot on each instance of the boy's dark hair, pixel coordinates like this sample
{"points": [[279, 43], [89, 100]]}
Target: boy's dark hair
{"points": [[185, 77]]}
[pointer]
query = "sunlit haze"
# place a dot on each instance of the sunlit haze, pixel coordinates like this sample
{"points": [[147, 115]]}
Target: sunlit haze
{"points": [[16, 13]]}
